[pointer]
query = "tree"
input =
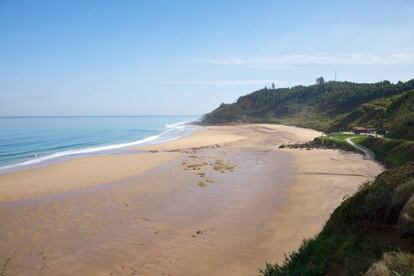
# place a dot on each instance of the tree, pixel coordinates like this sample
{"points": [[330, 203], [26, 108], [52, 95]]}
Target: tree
{"points": [[320, 81], [273, 86]]}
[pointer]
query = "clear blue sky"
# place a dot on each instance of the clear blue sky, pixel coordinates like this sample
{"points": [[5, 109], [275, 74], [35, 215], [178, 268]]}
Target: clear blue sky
{"points": [[186, 57]]}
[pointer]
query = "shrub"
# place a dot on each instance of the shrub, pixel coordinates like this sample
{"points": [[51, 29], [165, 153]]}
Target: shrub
{"points": [[406, 219], [393, 263]]}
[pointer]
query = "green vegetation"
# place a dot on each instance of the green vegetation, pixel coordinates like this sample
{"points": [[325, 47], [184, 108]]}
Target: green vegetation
{"points": [[391, 152], [201, 183], [330, 141], [343, 136], [395, 114], [372, 232], [223, 167], [327, 106], [394, 263], [337, 140], [359, 138], [360, 230]]}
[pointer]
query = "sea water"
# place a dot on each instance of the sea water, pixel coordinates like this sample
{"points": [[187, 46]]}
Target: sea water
{"points": [[27, 141]]}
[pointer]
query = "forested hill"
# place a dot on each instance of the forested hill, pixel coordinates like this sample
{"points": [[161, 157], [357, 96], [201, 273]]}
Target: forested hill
{"points": [[327, 106]]}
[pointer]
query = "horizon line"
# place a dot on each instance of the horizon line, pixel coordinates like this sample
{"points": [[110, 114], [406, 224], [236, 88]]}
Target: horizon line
{"points": [[62, 116]]}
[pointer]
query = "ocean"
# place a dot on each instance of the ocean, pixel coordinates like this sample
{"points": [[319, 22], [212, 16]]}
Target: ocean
{"points": [[30, 141]]}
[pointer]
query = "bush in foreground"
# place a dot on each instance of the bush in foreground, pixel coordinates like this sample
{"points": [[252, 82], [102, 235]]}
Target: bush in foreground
{"points": [[393, 263]]}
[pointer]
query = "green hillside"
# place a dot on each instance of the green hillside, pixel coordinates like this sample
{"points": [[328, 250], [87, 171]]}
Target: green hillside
{"points": [[393, 153], [327, 106], [372, 232], [393, 113]]}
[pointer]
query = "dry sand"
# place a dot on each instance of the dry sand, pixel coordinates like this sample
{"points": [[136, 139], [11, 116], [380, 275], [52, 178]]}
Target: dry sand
{"points": [[220, 202]]}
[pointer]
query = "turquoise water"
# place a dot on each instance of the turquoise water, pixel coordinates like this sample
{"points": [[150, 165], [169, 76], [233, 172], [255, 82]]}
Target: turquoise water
{"points": [[25, 141]]}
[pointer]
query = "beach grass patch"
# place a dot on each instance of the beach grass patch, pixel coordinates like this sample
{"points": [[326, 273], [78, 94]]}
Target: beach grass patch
{"points": [[201, 183], [194, 167], [223, 167]]}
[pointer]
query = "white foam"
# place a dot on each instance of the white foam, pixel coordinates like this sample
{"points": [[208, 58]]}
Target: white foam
{"points": [[177, 127]]}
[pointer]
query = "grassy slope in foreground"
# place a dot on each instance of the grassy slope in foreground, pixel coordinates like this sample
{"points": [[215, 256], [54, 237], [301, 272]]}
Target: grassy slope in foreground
{"points": [[378, 218]]}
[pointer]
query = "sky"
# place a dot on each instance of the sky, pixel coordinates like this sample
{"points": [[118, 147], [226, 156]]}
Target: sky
{"points": [[101, 57]]}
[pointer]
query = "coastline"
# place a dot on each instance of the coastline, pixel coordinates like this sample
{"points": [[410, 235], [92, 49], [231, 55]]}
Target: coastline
{"points": [[150, 215], [170, 132]]}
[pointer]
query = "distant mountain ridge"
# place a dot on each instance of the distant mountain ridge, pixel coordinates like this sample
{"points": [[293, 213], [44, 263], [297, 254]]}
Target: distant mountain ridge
{"points": [[327, 106]]}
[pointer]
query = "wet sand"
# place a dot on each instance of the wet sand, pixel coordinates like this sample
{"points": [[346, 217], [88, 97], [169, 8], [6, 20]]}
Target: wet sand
{"points": [[220, 202]]}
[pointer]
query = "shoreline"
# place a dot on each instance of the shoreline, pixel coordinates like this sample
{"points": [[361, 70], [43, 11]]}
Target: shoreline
{"points": [[185, 127], [221, 201]]}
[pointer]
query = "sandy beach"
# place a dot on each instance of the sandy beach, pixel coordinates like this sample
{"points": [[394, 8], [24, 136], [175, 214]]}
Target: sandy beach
{"points": [[222, 201]]}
